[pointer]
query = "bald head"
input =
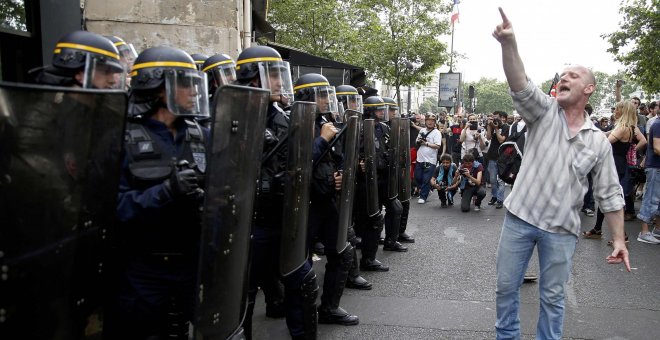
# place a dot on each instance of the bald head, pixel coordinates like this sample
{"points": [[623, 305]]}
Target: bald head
{"points": [[586, 74]]}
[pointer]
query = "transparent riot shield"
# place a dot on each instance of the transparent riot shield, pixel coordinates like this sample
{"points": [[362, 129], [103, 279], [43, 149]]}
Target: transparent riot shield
{"points": [[369, 140], [58, 189], [293, 248], [348, 179], [394, 165], [404, 157], [232, 171]]}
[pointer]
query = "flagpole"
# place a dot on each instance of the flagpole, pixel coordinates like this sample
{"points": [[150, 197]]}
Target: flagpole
{"points": [[451, 56]]}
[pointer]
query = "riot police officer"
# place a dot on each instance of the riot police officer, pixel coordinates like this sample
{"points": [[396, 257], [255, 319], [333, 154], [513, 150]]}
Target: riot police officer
{"points": [[127, 54], [263, 67], [83, 59], [324, 208], [393, 207], [352, 100], [160, 197], [369, 224], [220, 70], [199, 59]]}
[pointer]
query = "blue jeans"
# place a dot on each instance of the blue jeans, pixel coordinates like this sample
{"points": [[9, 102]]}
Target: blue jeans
{"points": [[649, 208], [555, 252], [497, 185], [423, 174]]}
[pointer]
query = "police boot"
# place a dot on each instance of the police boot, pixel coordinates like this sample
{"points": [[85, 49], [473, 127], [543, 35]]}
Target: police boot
{"points": [[394, 246], [333, 288], [310, 290], [372, 265], [355, 280], [403, 237]]}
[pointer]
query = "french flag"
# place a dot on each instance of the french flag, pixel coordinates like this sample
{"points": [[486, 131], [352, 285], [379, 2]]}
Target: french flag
{"points": [[454, 12]]}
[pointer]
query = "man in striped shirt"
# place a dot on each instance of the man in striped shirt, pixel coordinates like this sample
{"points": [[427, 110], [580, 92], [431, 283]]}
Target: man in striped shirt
{"points": [[562, 148]]}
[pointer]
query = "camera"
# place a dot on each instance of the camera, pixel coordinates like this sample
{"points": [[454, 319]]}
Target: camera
{"points": [[464, 171], [474, 125], [497, 122]]}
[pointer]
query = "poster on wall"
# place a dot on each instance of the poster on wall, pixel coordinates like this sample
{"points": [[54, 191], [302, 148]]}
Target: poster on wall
{"points": [[449, 89]]}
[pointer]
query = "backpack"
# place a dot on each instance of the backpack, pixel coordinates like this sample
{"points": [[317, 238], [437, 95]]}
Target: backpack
{"points": [[510, 155]]}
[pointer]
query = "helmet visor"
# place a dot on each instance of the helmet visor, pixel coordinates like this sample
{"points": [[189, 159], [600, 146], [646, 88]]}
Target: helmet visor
{"points": [[276, 77], [223, 74], [127, 53], [186, 92], [103, 73], [326, 100], [393, 111], [379, 110]]}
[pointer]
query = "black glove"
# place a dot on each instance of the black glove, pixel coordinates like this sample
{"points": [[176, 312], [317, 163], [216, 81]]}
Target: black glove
{"points": [[181, 183]]}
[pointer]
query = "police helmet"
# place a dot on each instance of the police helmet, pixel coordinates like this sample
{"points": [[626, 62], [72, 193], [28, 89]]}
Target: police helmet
{"points": [[392, 108], [265, 64], [220, 70], [313, 87], [127, 53], [91, 53], [349, 97], [175, 71], [199, 59], [375, 108]]}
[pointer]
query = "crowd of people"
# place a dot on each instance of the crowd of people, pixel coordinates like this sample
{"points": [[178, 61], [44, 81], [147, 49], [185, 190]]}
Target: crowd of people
{"points": [[192, 224]]}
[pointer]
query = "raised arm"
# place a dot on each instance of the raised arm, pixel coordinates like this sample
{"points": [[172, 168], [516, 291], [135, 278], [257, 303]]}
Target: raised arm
{"points": [[513, 65]]}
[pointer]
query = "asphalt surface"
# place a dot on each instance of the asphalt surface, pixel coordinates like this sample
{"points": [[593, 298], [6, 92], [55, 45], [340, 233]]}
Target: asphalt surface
{"points": [[444, 286]]}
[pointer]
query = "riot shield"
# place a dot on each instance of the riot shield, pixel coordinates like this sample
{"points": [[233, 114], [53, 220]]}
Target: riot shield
{"points": [[348, 180], [394, 165], [58, 192], [404, 157], [293, 247], [233, 164], [369, 138]]}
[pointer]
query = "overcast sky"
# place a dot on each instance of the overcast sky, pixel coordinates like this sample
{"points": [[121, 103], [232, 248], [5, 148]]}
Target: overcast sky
{"points": [[550, 34]]}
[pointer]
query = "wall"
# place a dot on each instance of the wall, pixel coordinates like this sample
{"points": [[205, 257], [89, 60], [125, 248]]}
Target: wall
{"points": [[196, 26]]}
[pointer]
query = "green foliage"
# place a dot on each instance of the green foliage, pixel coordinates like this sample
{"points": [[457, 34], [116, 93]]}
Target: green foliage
{"points": [[12, 14], [636, 43], [429, 105], [396, 41], [492, 95]]}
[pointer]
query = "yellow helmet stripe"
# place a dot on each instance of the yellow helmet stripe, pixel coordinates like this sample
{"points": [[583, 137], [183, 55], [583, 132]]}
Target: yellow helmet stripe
{"points": [[119, 43], [164, 63], [253, 60], [303, 86], [224, 62], [60, 46], [346, 93], [377, 104]]}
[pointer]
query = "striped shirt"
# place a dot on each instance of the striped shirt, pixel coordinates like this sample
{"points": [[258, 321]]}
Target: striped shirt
{"points": [[552, 181]]}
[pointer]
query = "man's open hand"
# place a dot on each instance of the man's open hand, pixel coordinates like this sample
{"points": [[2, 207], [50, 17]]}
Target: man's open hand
{"points": [[620, 254]]}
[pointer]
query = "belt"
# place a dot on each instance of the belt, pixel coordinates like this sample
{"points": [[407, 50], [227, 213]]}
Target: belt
{"points": [[426, 164]]}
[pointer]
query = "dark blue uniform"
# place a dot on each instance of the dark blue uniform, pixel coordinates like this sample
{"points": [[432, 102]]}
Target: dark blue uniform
{"points": [[159, 234], [300, 286]]}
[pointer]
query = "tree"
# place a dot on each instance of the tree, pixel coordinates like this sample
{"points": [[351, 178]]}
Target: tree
{"points": [[636, 43], [492, 95], [429, 105], [12, 15], [401, 39], [394, 40], [323, 28]]}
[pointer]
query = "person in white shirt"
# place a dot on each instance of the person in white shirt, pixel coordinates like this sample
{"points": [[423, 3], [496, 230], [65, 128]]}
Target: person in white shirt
{"points": [[429, 141]]}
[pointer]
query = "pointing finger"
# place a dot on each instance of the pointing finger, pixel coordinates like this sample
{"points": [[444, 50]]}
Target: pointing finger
{"points": [[504, 18]]}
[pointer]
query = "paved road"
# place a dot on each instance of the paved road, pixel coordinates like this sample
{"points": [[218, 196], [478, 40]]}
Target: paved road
{"points": [[444, 287]]}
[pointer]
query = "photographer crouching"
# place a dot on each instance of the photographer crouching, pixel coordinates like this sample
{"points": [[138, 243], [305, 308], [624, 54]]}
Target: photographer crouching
{"points": [[429, 141], [470, 176]]}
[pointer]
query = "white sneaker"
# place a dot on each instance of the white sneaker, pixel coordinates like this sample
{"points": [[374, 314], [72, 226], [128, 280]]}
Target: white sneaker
{"points": [[647, 238], [477, 208], [421, 201]]}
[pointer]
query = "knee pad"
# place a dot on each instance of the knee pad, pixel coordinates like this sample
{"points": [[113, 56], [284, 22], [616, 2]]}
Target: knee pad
{"points": [[377, 222], [346, 258], [351, 237], [396, 206], [310, 288]]}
